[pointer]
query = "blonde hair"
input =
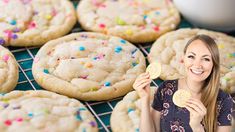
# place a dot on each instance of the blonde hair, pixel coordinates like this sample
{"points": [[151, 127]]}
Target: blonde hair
{"points": [[210, 88]]}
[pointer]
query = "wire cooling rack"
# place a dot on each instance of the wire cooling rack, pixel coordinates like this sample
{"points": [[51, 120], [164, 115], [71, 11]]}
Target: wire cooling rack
{"points": [[101, 110]]}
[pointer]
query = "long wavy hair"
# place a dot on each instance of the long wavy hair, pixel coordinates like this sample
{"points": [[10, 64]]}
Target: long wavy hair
{"points": [[210, 87]]}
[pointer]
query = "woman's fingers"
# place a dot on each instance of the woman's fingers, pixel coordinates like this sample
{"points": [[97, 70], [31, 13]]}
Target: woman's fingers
{"points": [[197, 105], [191, 110], [142, 76], [143, 85], [140, 84], [142, 81], [194, 108]]}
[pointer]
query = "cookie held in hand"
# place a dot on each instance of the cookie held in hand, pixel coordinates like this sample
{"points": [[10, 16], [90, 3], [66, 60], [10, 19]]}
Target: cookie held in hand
{"points": [[154, 70], [180, 97]]}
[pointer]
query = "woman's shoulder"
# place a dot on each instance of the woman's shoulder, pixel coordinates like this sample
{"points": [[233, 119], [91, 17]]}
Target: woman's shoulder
{"points": [[169, 84], [223, 96]]}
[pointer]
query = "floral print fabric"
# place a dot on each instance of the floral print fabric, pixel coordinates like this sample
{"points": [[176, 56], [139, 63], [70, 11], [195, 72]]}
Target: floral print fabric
{"points": [[176, 119]]}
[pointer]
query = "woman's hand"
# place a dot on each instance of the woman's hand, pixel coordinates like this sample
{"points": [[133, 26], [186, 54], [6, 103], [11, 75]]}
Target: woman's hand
{"points": [[142, 85], [197, 112]]}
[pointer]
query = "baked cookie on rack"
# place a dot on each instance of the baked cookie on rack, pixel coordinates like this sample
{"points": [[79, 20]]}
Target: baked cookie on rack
{"points": [[126, 114], [88, 66], [168, 49], [34, 22], [137, 21], [37, 111], [9, 73]]}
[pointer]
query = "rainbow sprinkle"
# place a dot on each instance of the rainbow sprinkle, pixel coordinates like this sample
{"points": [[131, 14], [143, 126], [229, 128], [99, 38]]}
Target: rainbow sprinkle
{"points": [[130, 110], [230, 55], [134, 64], [156, 28], [48, 17], [26, 1], [36, 60], [5, 58], [5, 1], [102, 25], [19, 119], [15, 30], [107, 84], [123, 41], [5, 105], [82, 109], [7, 122], [78, 117], [119, 21], [2, 41], [30, 114], [32, 25], [92, 123], [81, 48], [46, 71], [83, 77], [13, 22], [16, 107], [129, 32], [88, 65], [14, 36], [118, 49]]}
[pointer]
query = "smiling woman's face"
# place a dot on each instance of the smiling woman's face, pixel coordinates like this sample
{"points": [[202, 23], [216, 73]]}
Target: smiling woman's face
{"points": [[198, 61]]}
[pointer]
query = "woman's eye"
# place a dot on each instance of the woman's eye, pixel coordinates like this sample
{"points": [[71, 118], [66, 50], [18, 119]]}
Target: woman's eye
{"points": [[206, 59], [191, 57]]}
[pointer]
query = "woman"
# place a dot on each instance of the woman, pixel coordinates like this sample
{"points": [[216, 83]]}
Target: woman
{"points": [[209, 108]]}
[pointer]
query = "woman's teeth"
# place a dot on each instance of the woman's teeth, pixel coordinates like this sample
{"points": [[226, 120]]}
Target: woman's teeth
{"points": [[198, 72]]}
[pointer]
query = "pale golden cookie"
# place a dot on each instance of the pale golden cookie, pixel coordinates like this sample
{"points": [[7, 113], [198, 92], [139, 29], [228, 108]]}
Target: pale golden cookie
{"points": [[154, 70], [168, 49], [9, 72], [126, 114], [88, 66], [34, 22], [43, 111], [180, 97], [137, 21]]}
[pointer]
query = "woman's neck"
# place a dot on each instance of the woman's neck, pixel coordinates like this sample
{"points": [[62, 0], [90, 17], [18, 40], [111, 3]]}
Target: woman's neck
{"points": [[194, 87]]}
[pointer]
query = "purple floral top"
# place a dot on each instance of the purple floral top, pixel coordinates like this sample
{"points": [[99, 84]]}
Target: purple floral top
{"points": [[176, 119]]}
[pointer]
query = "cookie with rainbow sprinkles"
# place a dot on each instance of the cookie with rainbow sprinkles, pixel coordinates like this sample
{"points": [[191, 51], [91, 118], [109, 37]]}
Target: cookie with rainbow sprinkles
{"points": [[168, 49], [88, 66], [137, 21], [34, 22], [43, 111], [126, 114], [9, 72]]}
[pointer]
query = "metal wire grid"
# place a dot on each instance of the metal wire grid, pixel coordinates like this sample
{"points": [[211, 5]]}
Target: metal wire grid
{"points": [[101, 110]]}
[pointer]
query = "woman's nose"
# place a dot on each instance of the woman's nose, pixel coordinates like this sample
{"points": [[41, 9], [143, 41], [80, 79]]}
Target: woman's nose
{"points": [[197, 63]]}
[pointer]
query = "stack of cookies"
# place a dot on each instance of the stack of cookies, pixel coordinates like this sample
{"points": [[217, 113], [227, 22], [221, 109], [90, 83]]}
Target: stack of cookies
{"points": [[99, 64]]}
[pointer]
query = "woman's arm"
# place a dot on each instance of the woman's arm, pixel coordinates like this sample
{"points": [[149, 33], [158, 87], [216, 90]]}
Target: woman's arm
{"points": [[224, 129], [156, 119], [149, 118], [146, 118]]}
